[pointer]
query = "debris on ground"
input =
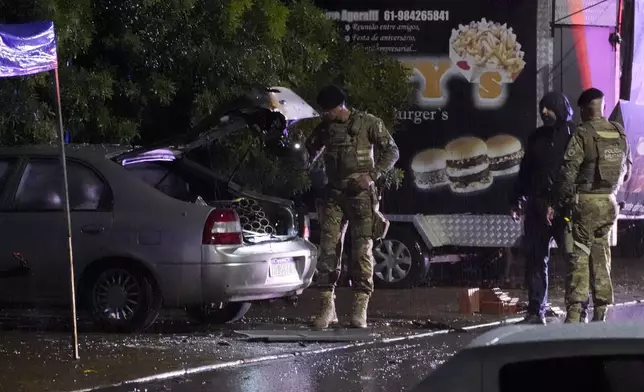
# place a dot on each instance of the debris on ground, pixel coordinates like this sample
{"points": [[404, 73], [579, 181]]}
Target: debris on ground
{"points": [[487, 301], [436, 325], [299, 335], [555, 311]]}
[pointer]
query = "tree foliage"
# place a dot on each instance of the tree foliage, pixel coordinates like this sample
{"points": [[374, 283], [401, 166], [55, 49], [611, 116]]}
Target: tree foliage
{"points": [[136, 71]]}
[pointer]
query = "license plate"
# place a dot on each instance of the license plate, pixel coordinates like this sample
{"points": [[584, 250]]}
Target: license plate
{"points": [[282, 267]]}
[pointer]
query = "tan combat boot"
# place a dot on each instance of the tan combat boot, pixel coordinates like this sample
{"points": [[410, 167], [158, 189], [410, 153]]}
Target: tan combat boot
{"points": [[573, 314], [359, 314], [327, 313], [583, 318], [599, 313]]}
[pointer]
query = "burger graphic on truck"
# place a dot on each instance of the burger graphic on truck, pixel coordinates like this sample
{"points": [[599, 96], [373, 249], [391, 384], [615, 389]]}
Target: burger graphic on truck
{"points": [[505, 153], [430, 168], [467, 164]]}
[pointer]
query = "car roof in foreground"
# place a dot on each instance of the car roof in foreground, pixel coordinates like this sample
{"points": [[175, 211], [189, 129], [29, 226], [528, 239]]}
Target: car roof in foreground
{"points": [[518, 334]]}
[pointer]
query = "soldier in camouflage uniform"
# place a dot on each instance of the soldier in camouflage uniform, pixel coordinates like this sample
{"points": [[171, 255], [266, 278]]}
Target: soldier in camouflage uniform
{"points": [[596, 163], [346, 138]]}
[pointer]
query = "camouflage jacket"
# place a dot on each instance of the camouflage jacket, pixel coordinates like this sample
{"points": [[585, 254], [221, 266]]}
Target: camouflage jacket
{"points": [[360, 145], [579, 151]]}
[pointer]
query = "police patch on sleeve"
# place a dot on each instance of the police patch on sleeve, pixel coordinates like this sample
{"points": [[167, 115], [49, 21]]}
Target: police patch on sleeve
{"points": [[574, 148]]}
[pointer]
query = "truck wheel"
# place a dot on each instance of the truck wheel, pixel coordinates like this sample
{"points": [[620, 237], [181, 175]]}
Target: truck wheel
{"points": [[224, 314], [401, 259]]}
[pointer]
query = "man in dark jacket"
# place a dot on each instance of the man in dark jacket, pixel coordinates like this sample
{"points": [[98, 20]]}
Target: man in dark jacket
{"points": [[539, 168]]}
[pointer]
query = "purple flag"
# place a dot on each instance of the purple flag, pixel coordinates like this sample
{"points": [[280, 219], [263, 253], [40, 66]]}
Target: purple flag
{"points": [[27, 49]]}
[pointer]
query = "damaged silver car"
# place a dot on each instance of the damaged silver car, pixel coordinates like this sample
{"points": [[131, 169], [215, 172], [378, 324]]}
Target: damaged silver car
{"points": [[152, 228]]}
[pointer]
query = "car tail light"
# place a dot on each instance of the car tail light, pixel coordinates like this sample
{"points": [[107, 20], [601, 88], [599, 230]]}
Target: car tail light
{"points": [[222, 228]]}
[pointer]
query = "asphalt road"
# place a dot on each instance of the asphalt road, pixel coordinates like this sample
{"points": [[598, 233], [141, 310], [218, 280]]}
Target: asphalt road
{"points": [[385, 367], [393, 367]]}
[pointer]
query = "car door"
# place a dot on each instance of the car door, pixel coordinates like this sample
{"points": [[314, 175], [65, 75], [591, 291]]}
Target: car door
{"points": [[12, 271], [36, 228]]}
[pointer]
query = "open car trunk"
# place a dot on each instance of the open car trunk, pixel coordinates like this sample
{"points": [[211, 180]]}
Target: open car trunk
{"points": [[262, 220], [166, 167]]}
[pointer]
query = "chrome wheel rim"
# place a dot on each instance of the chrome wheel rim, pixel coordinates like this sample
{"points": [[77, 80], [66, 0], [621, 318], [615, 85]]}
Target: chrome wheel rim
{"points": [[392, 261], [117, 295]]}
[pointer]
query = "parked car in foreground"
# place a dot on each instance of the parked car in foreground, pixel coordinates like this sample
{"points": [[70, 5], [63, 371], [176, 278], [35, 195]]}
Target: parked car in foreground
{"points": [[151, 228], [559, 357]]}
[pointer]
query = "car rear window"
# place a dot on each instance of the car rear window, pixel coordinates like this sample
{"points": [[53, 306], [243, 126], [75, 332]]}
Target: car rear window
{"points": [[162, 176], [622, 373]]}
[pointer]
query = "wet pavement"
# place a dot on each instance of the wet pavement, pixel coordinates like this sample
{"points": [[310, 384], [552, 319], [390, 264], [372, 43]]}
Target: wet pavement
{"points": [[393, 367], [386, 366], [42, 361], [39, 347], [35, 352]]}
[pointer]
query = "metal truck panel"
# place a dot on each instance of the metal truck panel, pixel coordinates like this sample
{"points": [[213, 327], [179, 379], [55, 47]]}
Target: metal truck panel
{"points": [[470, 230]]}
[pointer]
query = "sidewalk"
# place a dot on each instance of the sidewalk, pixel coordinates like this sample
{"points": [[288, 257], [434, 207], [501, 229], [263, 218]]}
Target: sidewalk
{"points": [[387, 307], [440, 304]]}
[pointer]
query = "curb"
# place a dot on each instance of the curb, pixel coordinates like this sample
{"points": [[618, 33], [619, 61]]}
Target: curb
{"points": [[635, 302], [267, 358]]}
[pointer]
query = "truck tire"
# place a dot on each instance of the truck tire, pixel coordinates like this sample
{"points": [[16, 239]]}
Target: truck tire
{"points": [[401, 259]]}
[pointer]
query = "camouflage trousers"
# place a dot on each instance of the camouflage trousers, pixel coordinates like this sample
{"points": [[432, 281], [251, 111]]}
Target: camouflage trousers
{"points": [[339, 248], [589, 265], [336, 209]]}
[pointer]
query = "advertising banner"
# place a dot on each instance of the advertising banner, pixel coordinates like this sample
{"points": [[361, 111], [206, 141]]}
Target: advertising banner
{"points": [[637, 82], [473, 69]]}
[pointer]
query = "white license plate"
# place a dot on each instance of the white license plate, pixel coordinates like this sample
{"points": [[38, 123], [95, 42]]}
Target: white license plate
{"points": [[282, 267]]}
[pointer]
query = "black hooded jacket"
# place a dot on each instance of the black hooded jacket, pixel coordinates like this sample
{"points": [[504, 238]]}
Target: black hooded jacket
{"points": [[544, 151]]}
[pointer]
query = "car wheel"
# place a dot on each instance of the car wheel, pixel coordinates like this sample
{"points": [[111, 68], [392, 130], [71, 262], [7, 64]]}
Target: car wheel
{"points": [[123, 300], [218, 313], [400, 260]]}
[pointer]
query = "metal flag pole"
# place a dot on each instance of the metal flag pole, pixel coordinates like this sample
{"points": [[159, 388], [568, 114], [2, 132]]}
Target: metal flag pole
{"points": [[28, 49], [63, 164]]}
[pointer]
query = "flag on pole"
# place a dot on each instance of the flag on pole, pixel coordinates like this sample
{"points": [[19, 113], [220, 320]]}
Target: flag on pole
{"points": [[27, 49]]}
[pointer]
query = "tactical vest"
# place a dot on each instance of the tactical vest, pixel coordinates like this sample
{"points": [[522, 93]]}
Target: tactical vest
{"points": [[601, 170], [348, 149]]}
